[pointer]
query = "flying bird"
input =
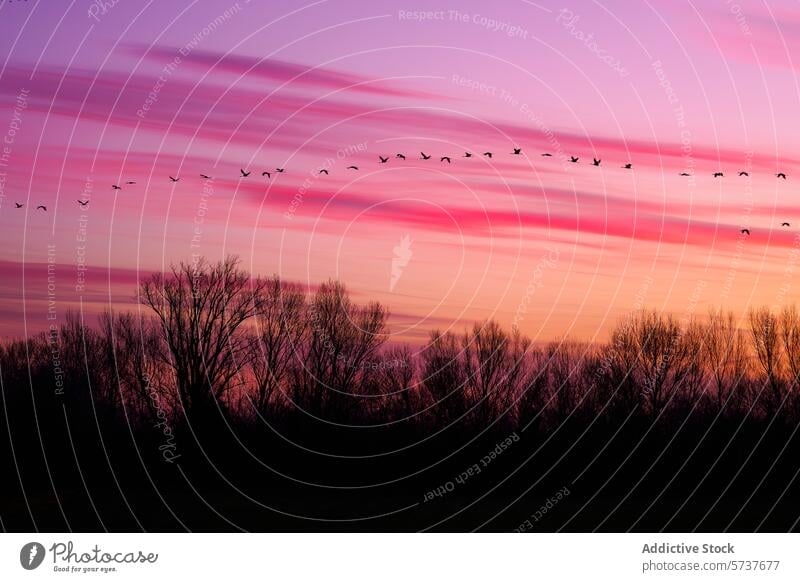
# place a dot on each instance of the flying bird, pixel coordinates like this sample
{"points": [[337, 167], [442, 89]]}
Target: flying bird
{"points": [[517, 151], [83, 202], [244, 174], [573, 159], [746, 231], [174, 179], [548, 155], [444, 159], [467, 155], [352, 167], [424, 156], [488, 154], [595, 162], [718, 174], [684, 174], [18, 205], [743, 174], [786, 224], [205, 177], [400, 156], [628, 166], [383, 160], [115, 187], [279, 170], [267, 174], [41, 208], [130, 182], [781, 175], [323, 171]]}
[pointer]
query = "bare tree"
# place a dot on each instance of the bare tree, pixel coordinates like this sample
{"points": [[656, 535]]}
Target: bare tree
{"points": [[280, 329], [202, 308], [725, 350], [690, 368], [566, 373], [765, 333], [342, 340], [619, 385], [443, 375], [532, 393], [132, 351], [790, 334], [495, 366], [396, 378], [661, 354]]}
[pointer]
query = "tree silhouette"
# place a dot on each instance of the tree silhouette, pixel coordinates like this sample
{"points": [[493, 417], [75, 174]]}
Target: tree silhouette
{"points": [[202, 308]]}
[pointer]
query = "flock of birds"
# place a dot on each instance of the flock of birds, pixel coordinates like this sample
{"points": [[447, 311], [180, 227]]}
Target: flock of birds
{"points": [[423, 156]]}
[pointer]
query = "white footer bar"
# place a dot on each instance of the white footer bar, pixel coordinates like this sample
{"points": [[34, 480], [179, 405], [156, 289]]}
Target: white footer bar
{"points": [[400, 557]]}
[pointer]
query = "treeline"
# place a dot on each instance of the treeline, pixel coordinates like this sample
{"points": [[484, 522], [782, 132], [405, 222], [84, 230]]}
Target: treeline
{"points": [[211, 342]]}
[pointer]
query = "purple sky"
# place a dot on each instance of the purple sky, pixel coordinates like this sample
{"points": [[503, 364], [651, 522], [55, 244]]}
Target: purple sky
{"points": [[97, 96]]}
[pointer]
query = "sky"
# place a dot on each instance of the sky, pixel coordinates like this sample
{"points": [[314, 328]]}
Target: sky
{"points": [[102, 93]]}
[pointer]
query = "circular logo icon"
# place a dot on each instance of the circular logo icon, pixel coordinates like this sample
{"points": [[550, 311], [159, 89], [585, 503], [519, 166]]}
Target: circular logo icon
{"points": [[31, 555]]}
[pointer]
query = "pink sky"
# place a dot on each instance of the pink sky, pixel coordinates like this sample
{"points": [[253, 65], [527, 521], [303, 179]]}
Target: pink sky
{"points": [[558, 248]]}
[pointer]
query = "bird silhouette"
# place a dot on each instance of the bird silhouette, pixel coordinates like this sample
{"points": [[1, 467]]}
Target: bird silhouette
{"points": [[595, 162], [746, 231], [279, 170], [718, 174], [205, 177], [444, 159], [467, 155], [488, 154], [743, 174], [383, 160], [244, 174], [400, 156], [684, 174], [323, 171], [573, 159], [174, 179], [548, 155], [424, 156], [517, 151], [628, 166], [352, 167], [267, 174], [781, 175], [115, 187], [41, 207], [83, 202], [18, 205], [130, 182], [786, 224]]}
